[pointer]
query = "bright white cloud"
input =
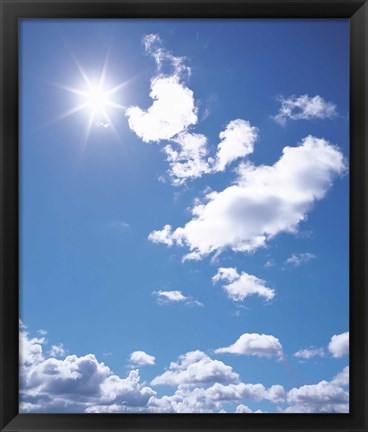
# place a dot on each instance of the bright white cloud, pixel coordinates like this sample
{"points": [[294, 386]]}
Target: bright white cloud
{"points": [[339, 345], [141, 358], [242, 285], [264, 201], [297, 259], [196, 368], [304, 108], [308, 353], [254, 344], [171, 114], [175, 297], [237, 141], [324, 397], [173, 108], [73, 384]]}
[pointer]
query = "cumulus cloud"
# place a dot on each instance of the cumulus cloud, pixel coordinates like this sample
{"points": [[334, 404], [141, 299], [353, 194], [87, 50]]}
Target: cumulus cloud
{"points": [[263, 202], [242, 285], [324, 397], [173, 108], [141, 358], [339, 345], [173, 112], [244, 409], [308, 353], [195, 368], [237, 141], [164, 297], [304, 107], [73, 384], [254, 344], [213, 398], [297, 259]]}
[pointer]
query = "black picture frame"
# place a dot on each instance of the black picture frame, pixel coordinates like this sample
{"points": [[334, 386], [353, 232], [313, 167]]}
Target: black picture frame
{"points": [[13, 10]]}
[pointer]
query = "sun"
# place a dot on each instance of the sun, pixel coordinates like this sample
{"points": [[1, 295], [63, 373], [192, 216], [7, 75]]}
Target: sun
{"points": [[96, 98]]}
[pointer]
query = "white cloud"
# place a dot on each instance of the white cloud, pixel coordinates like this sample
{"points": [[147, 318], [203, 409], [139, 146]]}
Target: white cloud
{"points": [[242, 285], [196, 368], [342, 378], [141, 358], [57, 351], [162, 236], [213, 398], [237, 141], [324, 397], [73, 384], [244, 409], [308, 353], [175, 297], [297, 259], [173, 108], [339, 345], [304, 108], [254, 344], [264, 201], [171, 112], [189, 159]]}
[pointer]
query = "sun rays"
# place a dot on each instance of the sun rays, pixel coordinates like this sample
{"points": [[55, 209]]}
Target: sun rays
{"points": [[96, 98]]}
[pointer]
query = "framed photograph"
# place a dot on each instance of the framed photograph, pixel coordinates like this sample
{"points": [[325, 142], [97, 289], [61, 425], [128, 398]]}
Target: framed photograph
{"points": [[184, 223]]}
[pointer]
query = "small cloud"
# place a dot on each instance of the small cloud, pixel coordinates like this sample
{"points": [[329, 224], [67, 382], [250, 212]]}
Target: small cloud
{"points": [[107, 354], [304, 108], [254, 344], [270, 263], [164, 297], [297, 259], [141, 358], [57, 351], [122, 225], [339, 345], [104, 125], [42, 332], [308, 353], [242, 285]]}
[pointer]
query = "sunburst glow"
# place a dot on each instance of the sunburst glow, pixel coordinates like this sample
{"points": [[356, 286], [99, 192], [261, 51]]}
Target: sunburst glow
{"points": [[96, 98]]}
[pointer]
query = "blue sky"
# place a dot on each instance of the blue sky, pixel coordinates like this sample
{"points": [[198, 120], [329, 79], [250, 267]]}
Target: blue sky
{"points": [[202, 201]]}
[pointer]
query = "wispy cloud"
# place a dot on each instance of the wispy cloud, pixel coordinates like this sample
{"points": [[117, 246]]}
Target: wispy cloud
{"points": [[57, 351], [304, 108], [164, 297], [301, 258], [120, 225], [308, 353]]}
